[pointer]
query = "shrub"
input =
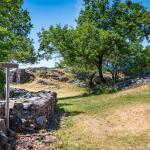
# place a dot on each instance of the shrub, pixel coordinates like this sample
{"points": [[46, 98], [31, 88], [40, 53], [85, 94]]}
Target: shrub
{"points": [[103, 88]]}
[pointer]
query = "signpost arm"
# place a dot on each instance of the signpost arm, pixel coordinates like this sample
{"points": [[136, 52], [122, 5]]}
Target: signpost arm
{"points": [[7, 97]]}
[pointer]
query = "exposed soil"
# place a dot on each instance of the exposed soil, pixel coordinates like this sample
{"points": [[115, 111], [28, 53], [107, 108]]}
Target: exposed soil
{"points": [[34, 141]]}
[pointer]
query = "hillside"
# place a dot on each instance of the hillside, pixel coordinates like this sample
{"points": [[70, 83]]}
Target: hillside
{"points": [[47, 79], [118, 121], [113, 121]]}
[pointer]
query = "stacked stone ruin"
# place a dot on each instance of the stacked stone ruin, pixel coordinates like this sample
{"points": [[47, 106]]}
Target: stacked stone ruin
{"points": [[27, 115]]}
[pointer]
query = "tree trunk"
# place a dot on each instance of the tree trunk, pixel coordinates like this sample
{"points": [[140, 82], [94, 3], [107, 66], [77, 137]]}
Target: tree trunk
{"points": [[100, 69], [91, 80], [113, 78]]}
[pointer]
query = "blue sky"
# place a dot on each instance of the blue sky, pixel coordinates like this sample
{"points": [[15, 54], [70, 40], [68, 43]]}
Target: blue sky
{"points": [[44, 13]]}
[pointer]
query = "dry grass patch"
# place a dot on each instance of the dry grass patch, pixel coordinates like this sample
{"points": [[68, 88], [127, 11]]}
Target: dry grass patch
{"points": [[131, 119], [127, 128], [63, 89], [140, 89]]}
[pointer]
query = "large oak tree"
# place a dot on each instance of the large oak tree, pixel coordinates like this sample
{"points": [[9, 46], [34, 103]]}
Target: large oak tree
{"points": [[103, 32]]}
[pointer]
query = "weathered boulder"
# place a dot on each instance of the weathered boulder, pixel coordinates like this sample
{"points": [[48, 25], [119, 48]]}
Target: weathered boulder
{"points": [[7, 140], [41, 121], [57, 75], [21, 76], [43, 82]]}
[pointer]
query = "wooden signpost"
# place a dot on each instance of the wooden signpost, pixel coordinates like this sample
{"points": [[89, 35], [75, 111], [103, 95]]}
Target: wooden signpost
{"points": [[7, 66]]}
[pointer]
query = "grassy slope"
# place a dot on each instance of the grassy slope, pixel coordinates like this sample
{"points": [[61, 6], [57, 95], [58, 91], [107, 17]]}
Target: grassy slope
{"points": [[99, 103], [75, 132], [85, 121]]}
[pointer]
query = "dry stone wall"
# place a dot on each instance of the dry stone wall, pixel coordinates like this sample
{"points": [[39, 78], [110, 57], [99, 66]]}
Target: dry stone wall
{"points": [[28, 115]]}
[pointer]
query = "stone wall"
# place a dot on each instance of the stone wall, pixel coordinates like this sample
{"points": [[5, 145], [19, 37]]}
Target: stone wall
{"points": [[31, 114], [143, 78]]}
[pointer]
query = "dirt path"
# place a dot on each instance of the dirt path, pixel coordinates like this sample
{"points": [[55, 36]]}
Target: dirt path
{"points": [[131, 119]]}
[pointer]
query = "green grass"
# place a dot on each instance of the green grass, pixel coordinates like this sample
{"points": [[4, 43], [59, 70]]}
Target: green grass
{"points": [[100, 103], [71, 134]]}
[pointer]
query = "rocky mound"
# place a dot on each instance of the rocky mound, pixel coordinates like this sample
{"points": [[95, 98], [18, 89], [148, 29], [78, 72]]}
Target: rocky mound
{"points": [[29, 74], [21, 76]]}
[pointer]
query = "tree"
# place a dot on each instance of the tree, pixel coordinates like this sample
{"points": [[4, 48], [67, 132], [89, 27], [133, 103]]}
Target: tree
{"points": [[15, 26], [102, 31]]}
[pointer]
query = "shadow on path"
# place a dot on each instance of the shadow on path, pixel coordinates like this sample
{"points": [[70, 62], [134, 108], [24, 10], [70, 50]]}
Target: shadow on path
{"points": [[73, 97], [55, 121]]}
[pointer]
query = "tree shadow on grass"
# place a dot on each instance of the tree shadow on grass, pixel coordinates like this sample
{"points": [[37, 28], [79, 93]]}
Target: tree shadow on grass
{"points": [[55, 121], [74, 97], [63, 104]]}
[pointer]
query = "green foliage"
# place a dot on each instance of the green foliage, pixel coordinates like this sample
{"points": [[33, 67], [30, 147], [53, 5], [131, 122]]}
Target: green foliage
{"points": [[103, 88], [15, 26], [141, 63], [106, 35]]}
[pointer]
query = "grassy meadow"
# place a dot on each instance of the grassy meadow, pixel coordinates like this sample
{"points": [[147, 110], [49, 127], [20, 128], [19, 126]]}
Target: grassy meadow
{"points": [[119, 121]]}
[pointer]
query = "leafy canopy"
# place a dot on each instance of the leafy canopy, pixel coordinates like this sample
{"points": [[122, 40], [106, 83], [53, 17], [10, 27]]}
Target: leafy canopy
{"points": [[104, 33], [15, 26]]}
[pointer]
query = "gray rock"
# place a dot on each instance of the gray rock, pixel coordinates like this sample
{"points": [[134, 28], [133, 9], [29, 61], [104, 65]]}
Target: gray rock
{"points": [[134, 81], [41, 121], [21, 76], [3, 138], [18, 106], [2, 126]]}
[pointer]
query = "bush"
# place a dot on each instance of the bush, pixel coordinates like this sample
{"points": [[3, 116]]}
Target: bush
{"points": [[103, 88]]}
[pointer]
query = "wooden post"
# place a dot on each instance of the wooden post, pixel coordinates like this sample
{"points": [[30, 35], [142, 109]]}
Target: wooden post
{"points": [[7, 98], [7, 66]]}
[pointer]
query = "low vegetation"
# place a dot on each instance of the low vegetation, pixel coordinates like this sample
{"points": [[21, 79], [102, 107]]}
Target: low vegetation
{"points": [[110, 121]]}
